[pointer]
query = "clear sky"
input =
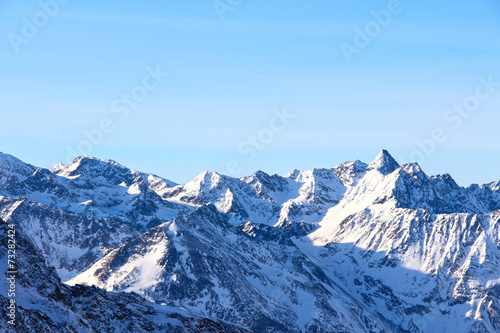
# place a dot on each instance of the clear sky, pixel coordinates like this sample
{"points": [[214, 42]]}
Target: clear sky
{"points": [[354, 85]]}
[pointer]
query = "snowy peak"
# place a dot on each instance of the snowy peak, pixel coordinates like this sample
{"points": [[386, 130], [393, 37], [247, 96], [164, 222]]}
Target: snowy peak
{"points": [[91, 167], [350, 172], [384, 163], [48, 305], [204, 264], [318, 185], [488, 193], [109, 172], [207, 179], [228, 194], [310, 175], [15, 166], [297, 197], [265, 183], [201, 186], [438, 194], [308, 252]]}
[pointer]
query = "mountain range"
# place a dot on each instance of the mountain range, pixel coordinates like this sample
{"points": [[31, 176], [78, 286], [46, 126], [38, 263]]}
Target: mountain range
{"points": [[377, 247]]}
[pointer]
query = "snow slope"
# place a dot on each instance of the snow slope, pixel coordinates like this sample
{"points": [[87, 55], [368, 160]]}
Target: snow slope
{"points": [[201, 262], [45, 304], [377, 247]]}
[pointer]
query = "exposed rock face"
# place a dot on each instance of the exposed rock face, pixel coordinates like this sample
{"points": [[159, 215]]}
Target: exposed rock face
{"points": [[45, 304], [202, 263], [373, 247], [75, 213]]}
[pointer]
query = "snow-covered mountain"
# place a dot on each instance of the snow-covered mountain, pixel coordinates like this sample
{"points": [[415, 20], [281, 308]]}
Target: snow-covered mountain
{"points": [[45, 304], [292, 202], [377, 247], [419, 250], [201, 262], [75, 212]]}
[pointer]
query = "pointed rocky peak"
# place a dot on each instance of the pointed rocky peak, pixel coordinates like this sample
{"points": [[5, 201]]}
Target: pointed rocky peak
{"points": [[384, 163], [413, 169], [446, 178], [208, 178], [301, 176], [207, 181], [56, 168], [261, 174], [258, 176], [91, 167], [159, 184], [208, 186], [15, 166], [97, 163], [110, 172], [314, 176], [350, 172], [304, 174], [264, 184], [493, 186], [293, 174], [356, 166]]}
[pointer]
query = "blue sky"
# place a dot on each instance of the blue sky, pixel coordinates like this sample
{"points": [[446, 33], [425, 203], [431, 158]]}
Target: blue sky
{"points": [[229, 74]]}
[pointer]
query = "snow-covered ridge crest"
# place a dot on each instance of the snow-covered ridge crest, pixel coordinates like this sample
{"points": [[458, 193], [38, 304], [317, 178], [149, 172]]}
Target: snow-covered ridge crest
{"points": [[205, 264], [14, 166], [111, 171], [99, 202], [362, 247], [384, 163], [45, 304]]}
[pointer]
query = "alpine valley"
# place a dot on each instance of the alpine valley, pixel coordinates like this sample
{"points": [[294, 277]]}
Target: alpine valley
{"points": [[377, 247]]}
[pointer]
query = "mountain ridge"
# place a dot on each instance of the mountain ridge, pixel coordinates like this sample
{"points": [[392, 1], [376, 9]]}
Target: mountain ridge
{"points": [[320, 250]]}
